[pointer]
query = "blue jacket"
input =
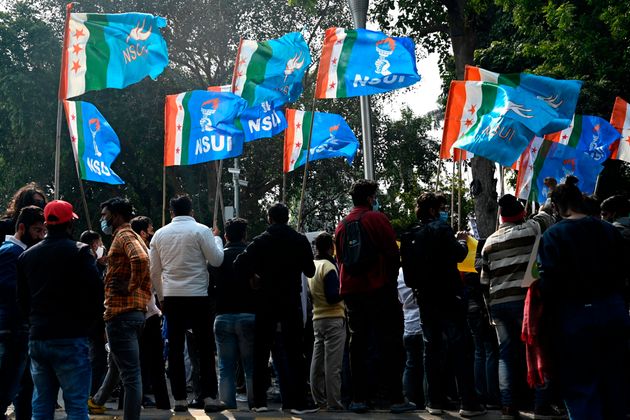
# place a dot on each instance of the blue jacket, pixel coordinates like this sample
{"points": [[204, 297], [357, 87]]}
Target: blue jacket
{"points": [[10, 317]]}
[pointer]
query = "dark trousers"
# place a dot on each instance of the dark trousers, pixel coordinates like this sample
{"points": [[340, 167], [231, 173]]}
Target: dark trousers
{"points": [[183, 313], [151, 362], [486, 356], [413, 378], [98, 355], [438, 323], [376, 314], [275, 328], [13, 352]]}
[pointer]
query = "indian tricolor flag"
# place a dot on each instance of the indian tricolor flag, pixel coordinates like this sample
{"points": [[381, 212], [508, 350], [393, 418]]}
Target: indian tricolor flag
{"points": [[529, 167], [620, 119], [296, 138], [110, 51], [464, 104]]}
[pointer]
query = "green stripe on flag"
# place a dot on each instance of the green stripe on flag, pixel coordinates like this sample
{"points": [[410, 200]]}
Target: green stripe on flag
{"points": [[488, 99], [510, 79], [80, 138], [307, 121], [576, 131], [256, 70], [538, 164], [97, 52], [185, 129], [344, 59]]}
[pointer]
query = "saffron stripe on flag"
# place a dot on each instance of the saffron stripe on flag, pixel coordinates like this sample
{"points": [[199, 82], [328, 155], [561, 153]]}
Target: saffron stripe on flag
{"points": [[452, 121], [289, 136], [326, 69], [620, 119]]}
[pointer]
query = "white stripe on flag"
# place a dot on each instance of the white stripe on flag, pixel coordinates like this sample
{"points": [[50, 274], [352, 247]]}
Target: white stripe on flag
{"points": [[624, 141], [565, 134], [474, 98], [74, 133], [298, 138], [248, 48], [331, 89], [528, 163], [179, 122], [77, 59], [488, 76]]}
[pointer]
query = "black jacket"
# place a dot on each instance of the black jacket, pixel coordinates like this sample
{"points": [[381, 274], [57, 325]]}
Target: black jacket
{"points": [[278, 256], [233, 294], [59, 288], [438, 252]]}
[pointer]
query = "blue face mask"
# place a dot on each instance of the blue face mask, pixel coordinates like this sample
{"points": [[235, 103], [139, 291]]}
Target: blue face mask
{"points": [[106, 227], [444, 216], [375, 204]]}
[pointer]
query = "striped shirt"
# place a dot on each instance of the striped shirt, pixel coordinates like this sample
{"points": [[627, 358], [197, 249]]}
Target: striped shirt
{"points": [[128, 279], [506, 254]]}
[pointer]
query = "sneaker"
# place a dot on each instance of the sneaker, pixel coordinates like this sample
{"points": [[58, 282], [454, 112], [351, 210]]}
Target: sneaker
{"points": [[212, 405], [180, 406], [262, 409], [358, 407], [402, 407], [148, 402], [241, 397], [509, 413], [548, 412], [94, 408], [305, 410], [473, 411], [434, 410]]}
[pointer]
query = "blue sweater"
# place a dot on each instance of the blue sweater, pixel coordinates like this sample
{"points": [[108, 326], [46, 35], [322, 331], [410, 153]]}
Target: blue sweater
{"points": [[10, 317]]}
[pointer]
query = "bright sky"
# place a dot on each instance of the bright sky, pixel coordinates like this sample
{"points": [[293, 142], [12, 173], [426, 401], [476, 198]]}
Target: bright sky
{"points": [[421, 97]]}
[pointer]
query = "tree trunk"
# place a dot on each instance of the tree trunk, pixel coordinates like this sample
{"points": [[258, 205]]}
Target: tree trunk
{"points": [[463, 40]]}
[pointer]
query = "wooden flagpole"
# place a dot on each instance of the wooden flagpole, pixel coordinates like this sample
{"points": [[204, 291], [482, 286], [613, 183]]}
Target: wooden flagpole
{"points": [[219, 167], [308, 152], [459, 194], [453, 194], [63, 85]]}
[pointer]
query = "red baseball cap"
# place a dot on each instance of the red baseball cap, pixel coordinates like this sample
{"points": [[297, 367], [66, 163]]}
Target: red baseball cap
{"points": [[58, 212]]}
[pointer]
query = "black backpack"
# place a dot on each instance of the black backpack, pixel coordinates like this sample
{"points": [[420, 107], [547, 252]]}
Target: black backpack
{"points": [[358, 250], [417, 256]]}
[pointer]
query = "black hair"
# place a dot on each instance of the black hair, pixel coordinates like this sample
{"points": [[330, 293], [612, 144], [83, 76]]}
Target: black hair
{"points": [[428, 201], [23, 197], [60, 228], [120, 206], [181, 205], [140, 224], [89, 236], [618, 204], [590, 204], [567, 196], [29, 216], [278, 213], [235, 229], [324, 242], [361, 190]]}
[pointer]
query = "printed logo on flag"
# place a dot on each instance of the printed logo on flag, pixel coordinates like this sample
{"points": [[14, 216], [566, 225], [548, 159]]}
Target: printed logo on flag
{"points": [[384, 48], [207, 112], [293, 64]]}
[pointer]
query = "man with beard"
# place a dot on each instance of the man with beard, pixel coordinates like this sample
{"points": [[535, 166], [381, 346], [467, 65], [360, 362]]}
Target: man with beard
{"points": [[13, 327], [58, 288]]}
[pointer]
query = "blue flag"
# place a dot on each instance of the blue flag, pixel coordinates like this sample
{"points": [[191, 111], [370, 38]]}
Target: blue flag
{"points": [[331, 137], [200, 127], [589, 134], [357, 62], [496, 121], [94, 142], [262, 121], [560, 162], [271, 70]]}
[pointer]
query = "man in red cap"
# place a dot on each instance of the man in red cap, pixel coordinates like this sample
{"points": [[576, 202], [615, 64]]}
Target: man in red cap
{"points": [[58, 289]]}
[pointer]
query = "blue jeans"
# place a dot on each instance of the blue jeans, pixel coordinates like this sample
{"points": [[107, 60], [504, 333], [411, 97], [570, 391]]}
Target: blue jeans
{"points": [[590, 345], [508, 319], [13, 351], [61, 362], [486, 356], [123, 335], [234, 335], [413, 377]]}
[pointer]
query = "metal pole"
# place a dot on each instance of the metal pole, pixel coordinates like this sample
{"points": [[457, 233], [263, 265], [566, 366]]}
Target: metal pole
{"points": [[237, 188], [219, 168], [359, 9], [459, 195], [57, 150]]}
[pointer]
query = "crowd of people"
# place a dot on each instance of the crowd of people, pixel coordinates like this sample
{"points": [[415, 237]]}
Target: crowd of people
{"points": [[358, 320]]}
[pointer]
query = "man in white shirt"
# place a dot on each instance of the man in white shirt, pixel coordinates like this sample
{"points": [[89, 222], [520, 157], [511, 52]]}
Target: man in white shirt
{"points": [[179, 254]]}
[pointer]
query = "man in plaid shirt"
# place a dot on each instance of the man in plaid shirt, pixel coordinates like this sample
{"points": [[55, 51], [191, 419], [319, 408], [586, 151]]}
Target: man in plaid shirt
{"points": [[127, 293]]}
